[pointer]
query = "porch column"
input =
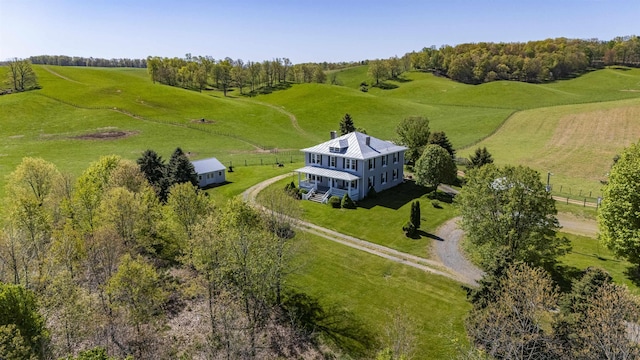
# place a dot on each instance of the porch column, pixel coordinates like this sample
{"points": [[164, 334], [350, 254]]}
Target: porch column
{"points": [[299, 176], [349, 189]]}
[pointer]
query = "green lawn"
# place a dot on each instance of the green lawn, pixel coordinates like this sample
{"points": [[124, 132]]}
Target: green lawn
{"points": [[372, 288], [380, 220], [590, 252]]}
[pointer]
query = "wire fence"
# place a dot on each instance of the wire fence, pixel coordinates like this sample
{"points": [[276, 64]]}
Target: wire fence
{"points": [[272, 159]]}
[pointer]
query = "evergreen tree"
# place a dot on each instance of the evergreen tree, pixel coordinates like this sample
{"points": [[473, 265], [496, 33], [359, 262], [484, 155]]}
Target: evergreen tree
{"points": [[440, 138], [154, 169], [152, 166], [346, 125], [180, 169], [479, 158], [415, 214]]}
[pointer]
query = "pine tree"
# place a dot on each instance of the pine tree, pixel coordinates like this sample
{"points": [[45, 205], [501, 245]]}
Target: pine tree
{"points": [[346, 125], [440, 138], [180, 169], [479, 158]]}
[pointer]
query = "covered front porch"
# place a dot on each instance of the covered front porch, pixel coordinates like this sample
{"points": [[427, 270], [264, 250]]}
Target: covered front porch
{"points": [[328, 182]]}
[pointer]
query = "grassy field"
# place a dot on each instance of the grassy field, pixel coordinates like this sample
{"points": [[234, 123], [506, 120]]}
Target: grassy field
{"points": [[372, 288], [576, 143]]}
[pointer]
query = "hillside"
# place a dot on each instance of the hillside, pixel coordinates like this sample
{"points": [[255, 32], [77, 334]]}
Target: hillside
{"points": [[79, 101]]}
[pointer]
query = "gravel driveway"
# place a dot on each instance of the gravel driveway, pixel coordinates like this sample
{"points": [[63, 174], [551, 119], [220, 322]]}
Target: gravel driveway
{"points": [[447, 250]]}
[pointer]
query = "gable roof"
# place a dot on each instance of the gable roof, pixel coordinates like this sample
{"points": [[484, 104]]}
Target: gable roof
{"points": [[354, 145], [207, 165]]}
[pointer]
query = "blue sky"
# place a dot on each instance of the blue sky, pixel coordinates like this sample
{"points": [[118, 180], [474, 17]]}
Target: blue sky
{"points": [[301, 30]]}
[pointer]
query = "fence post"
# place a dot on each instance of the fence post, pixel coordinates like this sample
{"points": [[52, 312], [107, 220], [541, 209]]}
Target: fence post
{"points": [[560, 188], [567, 200], [580, 192], [585, 203]]}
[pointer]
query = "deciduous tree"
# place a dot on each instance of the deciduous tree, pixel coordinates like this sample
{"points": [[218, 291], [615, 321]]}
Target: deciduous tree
{"points": [[509, 207], [413, 132], [619, 214], [434, 167], [20, 75], [513, 326]]}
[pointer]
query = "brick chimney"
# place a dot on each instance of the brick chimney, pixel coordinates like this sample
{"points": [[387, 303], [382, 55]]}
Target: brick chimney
{"points": [[368, 140], [333, 134]]}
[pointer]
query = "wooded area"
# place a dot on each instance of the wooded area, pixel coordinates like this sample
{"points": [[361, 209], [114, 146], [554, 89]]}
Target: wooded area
{"points": [[101, 262]]}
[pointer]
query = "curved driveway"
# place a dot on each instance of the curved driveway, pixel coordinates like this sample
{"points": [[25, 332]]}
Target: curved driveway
{"points": [[450, 261]]}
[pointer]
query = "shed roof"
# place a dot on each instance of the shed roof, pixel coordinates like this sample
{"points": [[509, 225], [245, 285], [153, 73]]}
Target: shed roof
{"points": [[208, 165]]}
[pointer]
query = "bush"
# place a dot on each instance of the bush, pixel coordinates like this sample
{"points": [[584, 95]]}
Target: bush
{"points": [[334, 202], [372, 193], [293, 191], [409, 229], [436, 204], [347, 203]]}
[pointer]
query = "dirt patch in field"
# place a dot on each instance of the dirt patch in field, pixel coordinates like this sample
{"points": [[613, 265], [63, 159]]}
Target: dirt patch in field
{"points": [[106, 135], [203, 121]]}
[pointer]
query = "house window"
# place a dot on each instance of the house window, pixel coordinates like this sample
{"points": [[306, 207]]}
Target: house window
{"points": [[332, 161], [199, 177], [350, 164], [354, 184], [385, 159], [396, 157], [219, 173], [383, 177], [315, 159], [314, 178], [372, 164], [395, 174], [372, 181]]}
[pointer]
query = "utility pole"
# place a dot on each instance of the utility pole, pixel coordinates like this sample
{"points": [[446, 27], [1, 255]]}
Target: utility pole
{"points": [[548, 181]]}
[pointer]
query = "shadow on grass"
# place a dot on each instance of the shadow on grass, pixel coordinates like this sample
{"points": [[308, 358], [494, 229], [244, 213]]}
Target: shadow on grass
{"points": [[633, 274], [331, 323], [211, 186], [402, 79], [565, 275], [395, 197], [385, 86], [423, 234]]}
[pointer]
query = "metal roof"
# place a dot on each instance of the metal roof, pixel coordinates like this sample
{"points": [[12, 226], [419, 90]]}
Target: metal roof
{"points": [[207, 165], [354, 145], [330, 173]]}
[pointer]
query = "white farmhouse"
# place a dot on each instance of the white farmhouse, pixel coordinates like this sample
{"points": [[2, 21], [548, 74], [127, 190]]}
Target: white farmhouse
{"points": [[210, 171], [352, 164]]}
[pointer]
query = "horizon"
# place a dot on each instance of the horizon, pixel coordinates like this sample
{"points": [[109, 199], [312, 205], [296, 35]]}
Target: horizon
{"points": [[298, 30]]}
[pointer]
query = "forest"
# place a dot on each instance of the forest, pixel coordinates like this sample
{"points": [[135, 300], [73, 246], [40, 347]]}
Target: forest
{"points": [[102, 264]]}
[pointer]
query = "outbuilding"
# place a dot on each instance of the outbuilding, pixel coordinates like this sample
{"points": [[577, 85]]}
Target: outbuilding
{"points": [[210, 171]]}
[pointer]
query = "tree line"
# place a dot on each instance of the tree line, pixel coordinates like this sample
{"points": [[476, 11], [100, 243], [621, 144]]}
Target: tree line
{"points": [[63, 60], [103, 265], [532, 61], [201, 72]]}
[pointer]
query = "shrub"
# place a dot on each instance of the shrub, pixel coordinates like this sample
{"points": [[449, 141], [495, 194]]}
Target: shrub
{"points": [[292, 191], [372, 193], [347, 203], [436, 204], [409, 229], [334, 202]]}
